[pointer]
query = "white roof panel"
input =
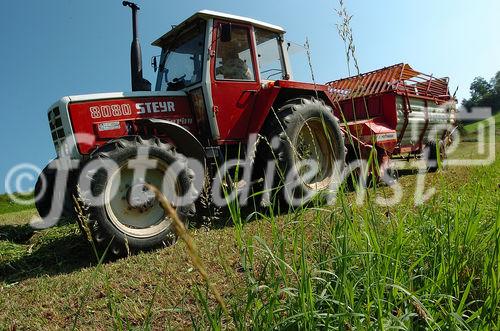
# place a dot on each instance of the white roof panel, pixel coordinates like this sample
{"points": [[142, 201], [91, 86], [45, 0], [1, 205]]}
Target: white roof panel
{"points": [[208, 14], [215, 14]]}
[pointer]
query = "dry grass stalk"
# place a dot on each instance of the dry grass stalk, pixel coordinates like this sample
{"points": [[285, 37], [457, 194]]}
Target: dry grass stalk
{"points": [[81, 217], [345, 32], [309, 61], [182, 232]]}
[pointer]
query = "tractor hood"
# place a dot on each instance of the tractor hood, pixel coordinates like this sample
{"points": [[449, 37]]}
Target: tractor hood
{"points": [[106, 116]]}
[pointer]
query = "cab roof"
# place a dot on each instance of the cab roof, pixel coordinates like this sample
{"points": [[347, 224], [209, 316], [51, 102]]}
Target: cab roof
{"points": [[209, 14]]}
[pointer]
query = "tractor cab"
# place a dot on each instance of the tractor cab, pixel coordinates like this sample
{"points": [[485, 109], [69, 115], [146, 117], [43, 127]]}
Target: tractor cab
{"points": [[221, 61], [235, 47]]}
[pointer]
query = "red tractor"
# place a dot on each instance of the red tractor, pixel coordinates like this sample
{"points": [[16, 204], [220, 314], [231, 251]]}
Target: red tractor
{"points": [[220, 80]]}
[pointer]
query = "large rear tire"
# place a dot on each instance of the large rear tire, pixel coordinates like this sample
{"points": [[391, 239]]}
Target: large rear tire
{"points": [[126, 212], [307, 131]]}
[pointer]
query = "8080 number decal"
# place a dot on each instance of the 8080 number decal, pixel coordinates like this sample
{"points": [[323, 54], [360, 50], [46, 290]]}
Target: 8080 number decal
{"points": [[110, 111]]}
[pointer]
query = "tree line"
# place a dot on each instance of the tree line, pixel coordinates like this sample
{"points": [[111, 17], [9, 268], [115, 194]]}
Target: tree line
{"points": [[484, 93]]}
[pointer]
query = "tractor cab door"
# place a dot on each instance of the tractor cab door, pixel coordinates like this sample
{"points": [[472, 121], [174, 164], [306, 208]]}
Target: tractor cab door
{"points": [[234, 79]]}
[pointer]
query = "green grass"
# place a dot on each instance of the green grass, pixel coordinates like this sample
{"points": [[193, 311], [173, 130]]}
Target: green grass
{"points": [[433, 266], [7, 205], [472, 127]]}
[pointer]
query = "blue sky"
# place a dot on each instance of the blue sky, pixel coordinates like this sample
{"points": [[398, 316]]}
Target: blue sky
{"points": [[55, 48]]}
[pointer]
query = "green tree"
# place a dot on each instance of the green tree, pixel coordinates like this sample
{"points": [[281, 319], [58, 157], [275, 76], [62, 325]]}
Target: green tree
{"points": [[495, 82], [484, 93]]}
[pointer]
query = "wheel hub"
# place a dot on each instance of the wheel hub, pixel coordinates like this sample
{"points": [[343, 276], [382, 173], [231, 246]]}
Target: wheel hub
{"points": [[140, 197], [312, 144]]}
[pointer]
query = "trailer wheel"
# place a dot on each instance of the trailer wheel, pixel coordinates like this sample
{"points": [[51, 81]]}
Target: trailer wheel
{"points": [[307, 130], [434, 155], [125, 211]]}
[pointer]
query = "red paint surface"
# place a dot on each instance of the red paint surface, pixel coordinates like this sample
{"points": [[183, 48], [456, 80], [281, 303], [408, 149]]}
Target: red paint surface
{"points": [[82, 121]]}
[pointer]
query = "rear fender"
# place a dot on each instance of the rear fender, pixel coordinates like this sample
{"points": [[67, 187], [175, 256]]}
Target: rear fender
{"points": [[274, 98]]}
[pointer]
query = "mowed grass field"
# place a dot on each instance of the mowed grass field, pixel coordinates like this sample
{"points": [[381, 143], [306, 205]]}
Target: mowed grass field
{"points": [[348, 266], [473, 127]]}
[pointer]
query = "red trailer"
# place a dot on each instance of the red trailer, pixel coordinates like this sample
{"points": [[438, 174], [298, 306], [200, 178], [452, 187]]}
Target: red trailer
{"points": [[397, 110]]}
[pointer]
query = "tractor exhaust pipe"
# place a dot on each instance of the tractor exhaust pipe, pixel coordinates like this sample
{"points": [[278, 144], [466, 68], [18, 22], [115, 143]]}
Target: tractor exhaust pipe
{"points": [[138, 81]]}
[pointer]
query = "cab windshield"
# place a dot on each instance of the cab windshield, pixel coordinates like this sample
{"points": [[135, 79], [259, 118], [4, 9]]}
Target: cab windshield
{"points": [[181, 61]]}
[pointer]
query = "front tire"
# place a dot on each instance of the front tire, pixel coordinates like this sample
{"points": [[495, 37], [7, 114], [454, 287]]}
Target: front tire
{"points": [[125, 211]]}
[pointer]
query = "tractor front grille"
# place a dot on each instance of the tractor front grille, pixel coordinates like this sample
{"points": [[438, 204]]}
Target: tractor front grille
{"points": [[56, 127]]}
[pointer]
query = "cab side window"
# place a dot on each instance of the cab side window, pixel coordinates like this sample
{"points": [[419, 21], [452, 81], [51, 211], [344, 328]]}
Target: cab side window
{"points": [[234, 57]]}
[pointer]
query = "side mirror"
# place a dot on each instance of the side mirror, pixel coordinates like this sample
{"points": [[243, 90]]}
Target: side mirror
{"points": [[154, 63], [225, 32]]}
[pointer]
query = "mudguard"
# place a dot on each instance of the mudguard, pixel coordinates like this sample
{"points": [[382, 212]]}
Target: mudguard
{"points": [[184, 141]]}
